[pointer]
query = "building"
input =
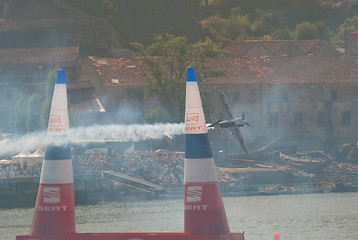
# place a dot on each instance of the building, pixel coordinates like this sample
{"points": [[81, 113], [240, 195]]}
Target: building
{"points": [[351, 42], [36, 37], [287, 89], [305, 97], [23, 72], [118, 85], [293, 98], [259, 48]]}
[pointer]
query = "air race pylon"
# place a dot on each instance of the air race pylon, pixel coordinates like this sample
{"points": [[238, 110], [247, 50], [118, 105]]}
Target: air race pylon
{"points": [[54, 212], [204, 211]]}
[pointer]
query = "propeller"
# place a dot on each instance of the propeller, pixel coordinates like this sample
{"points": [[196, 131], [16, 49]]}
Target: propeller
{"points": [[243, 119]]}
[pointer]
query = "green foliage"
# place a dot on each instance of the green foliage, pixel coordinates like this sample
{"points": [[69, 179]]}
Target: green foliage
{"points": [[282, 34], [138, 20], [33, 114], [157, 114], [305, 30], [237, 26], [46, 106], [34, 106], [265, 22], [322, 30], [349, 24], [20, 116], [241, 26], [214, 27], [167, 73]]}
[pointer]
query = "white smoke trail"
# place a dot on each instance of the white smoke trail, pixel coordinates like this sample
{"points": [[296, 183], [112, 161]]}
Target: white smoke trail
{"points": [[97, 133]]}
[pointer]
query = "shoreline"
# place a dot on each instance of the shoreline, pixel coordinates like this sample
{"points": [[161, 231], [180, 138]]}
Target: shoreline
{"points": [[261, 180], [103, 195]]}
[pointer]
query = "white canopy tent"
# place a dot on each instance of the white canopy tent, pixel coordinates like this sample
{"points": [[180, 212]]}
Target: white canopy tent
{"points": [[30, 159]]}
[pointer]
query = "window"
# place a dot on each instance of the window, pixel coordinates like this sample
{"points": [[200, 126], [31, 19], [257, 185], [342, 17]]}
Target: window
{"points": [[334, 95], [321, 119], [273, 119], [297, 120], [346, 118], [236, 97], [284, 96]]}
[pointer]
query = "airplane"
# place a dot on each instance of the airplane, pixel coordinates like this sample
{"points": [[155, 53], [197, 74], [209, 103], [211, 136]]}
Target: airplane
{"points": [[232, 123]]}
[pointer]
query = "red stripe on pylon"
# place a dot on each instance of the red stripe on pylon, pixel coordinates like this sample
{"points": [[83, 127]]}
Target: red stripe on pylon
{"points": [[204, 211], [54, 211]]}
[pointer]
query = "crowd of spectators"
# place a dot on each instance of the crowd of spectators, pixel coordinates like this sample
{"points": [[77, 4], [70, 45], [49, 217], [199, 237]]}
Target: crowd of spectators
{"points": [[5, 170], [15, 170], [159, 167]]}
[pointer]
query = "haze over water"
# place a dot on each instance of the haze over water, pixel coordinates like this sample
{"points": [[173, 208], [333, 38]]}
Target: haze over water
{"points": [[328, 216]]}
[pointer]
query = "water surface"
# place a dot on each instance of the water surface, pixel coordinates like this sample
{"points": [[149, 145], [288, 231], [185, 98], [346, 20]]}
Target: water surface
{"points": [[327, 216]]}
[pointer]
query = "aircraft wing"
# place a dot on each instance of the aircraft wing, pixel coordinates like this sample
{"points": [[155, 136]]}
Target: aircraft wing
{"points": [[236, 132], [224, 101]]}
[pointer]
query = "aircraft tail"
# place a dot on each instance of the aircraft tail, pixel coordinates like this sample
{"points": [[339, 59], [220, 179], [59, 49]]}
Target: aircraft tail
{"points": [[215, 124], [54, 212], [204, 211]]}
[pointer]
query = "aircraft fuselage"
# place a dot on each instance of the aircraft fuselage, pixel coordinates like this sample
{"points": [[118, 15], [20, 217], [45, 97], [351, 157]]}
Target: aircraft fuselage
{"points": [[231, 123]]}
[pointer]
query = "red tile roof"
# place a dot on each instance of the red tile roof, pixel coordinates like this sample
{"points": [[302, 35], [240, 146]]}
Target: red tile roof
{"points": [[120, 72], [274, 46], [313, 69], [239, 48], [38, 55], [79, 84], [296, 70], [84, 100], [305, 45], [354, 32]]}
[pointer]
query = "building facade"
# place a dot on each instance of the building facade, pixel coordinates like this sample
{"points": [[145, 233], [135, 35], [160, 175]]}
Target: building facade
{"points": [[312, 99]]}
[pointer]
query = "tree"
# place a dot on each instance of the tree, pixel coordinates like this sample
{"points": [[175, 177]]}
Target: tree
{"points": [[20, 116], [305, 31], [167, 71], [239, 27], [137, 20], [242, 26], [46, 106], [264, 22], [282, 34], [157, 114], [322, 30], [214, 27], [34, 106], [349, 24]]}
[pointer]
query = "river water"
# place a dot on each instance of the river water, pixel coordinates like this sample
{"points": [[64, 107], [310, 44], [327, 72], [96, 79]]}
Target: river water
{"points": [[307, 216]]}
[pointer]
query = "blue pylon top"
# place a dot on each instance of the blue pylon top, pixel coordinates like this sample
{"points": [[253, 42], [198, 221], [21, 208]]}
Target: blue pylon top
{"points": [[190, 74], [61, 76]]}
